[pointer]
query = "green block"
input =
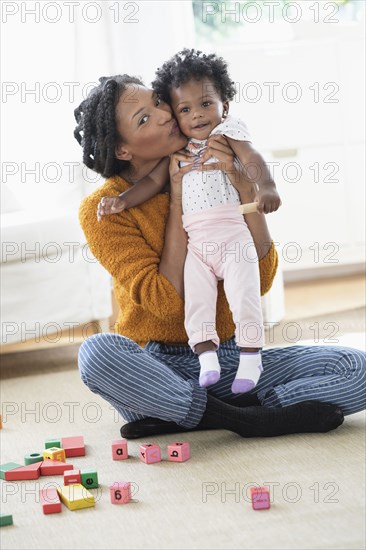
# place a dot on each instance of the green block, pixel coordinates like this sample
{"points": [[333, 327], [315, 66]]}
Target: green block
{"points": [[6, 519], [89, 479], [52, 443], [31, 458], [8, 466]]}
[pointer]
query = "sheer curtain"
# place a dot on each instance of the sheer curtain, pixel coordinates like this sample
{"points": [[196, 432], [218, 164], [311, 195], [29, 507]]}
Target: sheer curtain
{"points": [[57, 55]]}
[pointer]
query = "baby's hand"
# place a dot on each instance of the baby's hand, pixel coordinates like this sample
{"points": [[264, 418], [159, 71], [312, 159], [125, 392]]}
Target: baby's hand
{"points": [[111, 205], [268, 199]]}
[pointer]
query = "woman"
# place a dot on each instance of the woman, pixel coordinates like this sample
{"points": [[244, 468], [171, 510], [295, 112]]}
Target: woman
{"points": [[147, 370]]}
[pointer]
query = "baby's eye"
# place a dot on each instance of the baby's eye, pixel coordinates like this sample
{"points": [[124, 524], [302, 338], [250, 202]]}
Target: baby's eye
{"points": [[184, 110], [206, 103], [143, 120]]}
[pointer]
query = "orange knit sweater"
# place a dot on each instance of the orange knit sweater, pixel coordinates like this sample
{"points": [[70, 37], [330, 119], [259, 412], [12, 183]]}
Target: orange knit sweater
{"points": [[129, 246]]}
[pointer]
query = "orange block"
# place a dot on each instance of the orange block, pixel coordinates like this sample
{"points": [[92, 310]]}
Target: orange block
{"points": [[73, 446], [32, 471], [54, 467]]}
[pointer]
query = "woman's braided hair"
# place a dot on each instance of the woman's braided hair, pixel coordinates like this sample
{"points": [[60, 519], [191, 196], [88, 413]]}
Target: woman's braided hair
{"points": [[96, 129], [188, 64]]}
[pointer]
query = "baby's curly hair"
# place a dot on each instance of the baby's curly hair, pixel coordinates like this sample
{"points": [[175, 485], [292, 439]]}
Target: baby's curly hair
{"points": [[188, 64]]}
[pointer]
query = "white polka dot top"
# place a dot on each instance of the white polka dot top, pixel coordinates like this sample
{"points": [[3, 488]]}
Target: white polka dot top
{"points": [[203, 190]]}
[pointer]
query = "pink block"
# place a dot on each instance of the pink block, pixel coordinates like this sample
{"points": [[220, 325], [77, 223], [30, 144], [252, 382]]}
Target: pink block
{"points": [[72, 476], [260, 498], [54, 467], [178, 452], [32, 471], [73, 446], [120, 492], [119, 449], [150, 453], [50, 500]]}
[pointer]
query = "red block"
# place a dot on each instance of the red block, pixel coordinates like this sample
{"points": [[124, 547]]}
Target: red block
{"points": [[72, 476], [119, 449], [50, 500], [150, 453], [178, 452], [260, 498], [73, 446], [120, 492], [54, 467], [32, 471]]}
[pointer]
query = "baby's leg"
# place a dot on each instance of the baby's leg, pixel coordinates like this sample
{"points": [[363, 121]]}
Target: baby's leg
{"points": [[200, 296]]}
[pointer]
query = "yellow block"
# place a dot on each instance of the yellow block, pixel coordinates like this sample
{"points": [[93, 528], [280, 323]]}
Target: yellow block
{"points": [[55, 453], [75, 496]]}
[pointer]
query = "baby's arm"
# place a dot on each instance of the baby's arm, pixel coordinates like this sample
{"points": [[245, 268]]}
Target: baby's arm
{"points": [[141, 191], [257, 172]]}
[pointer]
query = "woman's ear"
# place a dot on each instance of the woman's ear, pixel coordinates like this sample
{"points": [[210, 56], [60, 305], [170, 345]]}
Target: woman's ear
{"points": [[122, 152], [225, 110]]}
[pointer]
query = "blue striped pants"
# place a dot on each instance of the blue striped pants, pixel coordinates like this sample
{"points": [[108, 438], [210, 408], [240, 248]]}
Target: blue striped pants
{"points": [[161, 381]]}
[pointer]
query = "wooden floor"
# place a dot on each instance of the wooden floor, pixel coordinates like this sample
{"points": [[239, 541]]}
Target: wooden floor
{"points": [[302, 299]]}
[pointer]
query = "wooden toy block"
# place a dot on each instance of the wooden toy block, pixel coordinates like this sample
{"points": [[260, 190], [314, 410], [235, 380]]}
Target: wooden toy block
{"points": [[74, 446], [119, 449], [72, 476], [120, 492], [260, 498], [32, 471], [50, 501], [150, 453], [178, 452], [53, 443], [54, 453], [6, 519], [32, 458], [8, 466], [54, 467], [89, 479], [75, 496]]}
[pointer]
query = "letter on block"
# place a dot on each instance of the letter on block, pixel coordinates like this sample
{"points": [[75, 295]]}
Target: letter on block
{"points": [[50, 501], [55, 453], [32, 458], [89, 478], [72, 476], [76, 496], [119, 449], [260, 498], [178, 452], [120, 492], [150, 453]]}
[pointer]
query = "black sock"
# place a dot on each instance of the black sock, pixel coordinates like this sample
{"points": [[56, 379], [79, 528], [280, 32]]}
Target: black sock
{"points": [[242, 400], [308, 416], [154, 426]]}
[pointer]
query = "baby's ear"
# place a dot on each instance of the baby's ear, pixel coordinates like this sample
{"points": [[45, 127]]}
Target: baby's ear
{"points": [[225, 110], [122, 152]]}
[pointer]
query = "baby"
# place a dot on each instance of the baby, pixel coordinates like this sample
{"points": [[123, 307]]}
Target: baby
{"points": [[220, 245]]}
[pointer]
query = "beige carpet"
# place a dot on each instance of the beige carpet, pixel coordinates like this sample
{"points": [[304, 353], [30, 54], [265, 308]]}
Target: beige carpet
{"points": [[317, 480]]}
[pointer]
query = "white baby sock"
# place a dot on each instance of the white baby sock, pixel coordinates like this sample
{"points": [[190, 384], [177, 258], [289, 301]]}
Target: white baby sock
{"points": [[210, 368], [248, 373]]}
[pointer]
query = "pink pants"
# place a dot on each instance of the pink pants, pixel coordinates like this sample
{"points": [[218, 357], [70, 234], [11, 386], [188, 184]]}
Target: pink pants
{"points": [[220, 247]]}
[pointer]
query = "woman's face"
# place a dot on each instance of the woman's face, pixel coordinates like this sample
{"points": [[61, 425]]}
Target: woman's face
{"points": [[146, 126]]}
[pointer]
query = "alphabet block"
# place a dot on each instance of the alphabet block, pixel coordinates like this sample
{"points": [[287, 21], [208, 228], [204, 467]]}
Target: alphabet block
{"points": [[119, 449], [178, 452], [32, 471], [54, 453], [50, 501], [54, 467], [150, 453], [76, 496], [72, 476], [120, 492], [260, 498], [6, 519], [74, 446], [89, 479], [32, 458]]}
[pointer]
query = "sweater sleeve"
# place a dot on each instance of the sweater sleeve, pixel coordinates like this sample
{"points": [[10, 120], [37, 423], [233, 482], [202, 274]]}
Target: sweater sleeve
{"points": [[119, 246], [268, 269]]}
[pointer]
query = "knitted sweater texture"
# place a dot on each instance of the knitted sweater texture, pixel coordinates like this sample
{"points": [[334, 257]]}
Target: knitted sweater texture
{"points": [[129, 246]]}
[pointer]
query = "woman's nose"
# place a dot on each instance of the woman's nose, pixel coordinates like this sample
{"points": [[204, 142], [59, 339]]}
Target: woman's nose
{"points": [[164, 115]]}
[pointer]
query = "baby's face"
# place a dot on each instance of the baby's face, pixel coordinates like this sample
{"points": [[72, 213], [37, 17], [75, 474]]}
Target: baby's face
{"points": [[197, 107]]}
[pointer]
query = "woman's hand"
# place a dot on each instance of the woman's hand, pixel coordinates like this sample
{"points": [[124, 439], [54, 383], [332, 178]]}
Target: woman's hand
{"points": [[176, 172]]}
